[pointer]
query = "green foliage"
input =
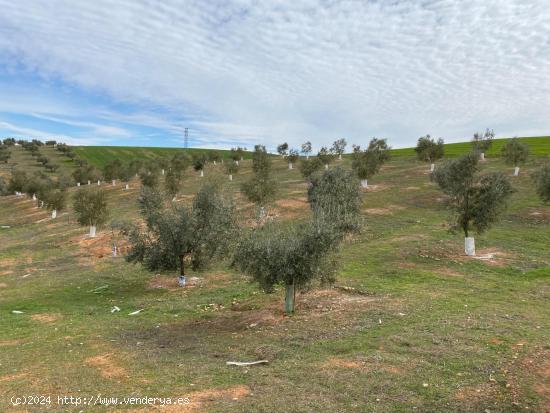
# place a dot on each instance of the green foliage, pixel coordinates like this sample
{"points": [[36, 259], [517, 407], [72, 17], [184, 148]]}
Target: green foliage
{"points": [[309, 166], [335, 200], [90, 206], [428, 150], [231, 167], [477, 201], [51, 167], [18, 180], [135, 166], [515, 152], [482, 142], [293, 156], [282, 149], [261, 187], [55, 199], [234, 154], [112, 170], [180, 162], [326, 156], [198, 161], [149, 179], [339, 146], [86, 173], [4, 189], [65, 181], [306, 148], [180, 233], [368, 162], [5, 153], [290, 255], [9, 141], [214, 156], [542, 182], [172, 182]]}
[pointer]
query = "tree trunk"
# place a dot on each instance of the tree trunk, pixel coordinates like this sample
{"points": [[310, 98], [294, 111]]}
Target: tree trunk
{"points": [[237, 162], [230, 177], [114, 250], [34, 197], [54, 213], [432, 167], [78, 184], [364, 183], [163, 171], [290, 296], [92, 231], [113, 182], [482, 156], [98, 182], [339, 156], [516, 171], [127, 186], [202, 173], [469, 246], [290, 165], [89, 182], [181, 278]]}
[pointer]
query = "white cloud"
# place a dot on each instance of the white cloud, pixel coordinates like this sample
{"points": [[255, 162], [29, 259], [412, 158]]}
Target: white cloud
{"points": [[26, 133], [292, 70]]}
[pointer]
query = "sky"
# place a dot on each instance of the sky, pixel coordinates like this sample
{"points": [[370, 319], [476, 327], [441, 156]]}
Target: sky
{"points": [[239, 73]]}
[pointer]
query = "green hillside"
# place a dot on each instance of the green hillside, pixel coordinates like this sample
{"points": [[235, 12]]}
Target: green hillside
{"points": [[101, 155], [539, 146]]}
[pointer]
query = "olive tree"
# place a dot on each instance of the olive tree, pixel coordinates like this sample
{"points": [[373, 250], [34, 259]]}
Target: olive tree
{"points": [[261, 187], [299, 255], [55, 200], [306, 149], [282, 149], [126, 172], [292, 156], [112, 171], [199, 160], [542, 182], [477, 201], [149, 178], [214, 156], [176, 234], [5, 153], [481, 142], [172, 183], [429, 150], [232, 168], [515, 153], [4, 189], [90, 206], [235, 155], [17, 181], [309, 166], [338, 147], [367, 163], [326, 156]]}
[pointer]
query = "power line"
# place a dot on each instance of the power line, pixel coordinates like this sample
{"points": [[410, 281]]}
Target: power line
{"points": [[186, 140]]}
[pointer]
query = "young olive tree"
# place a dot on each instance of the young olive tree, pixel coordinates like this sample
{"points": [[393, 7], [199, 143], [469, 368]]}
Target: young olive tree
{"points": [[282, 149], [149, 178], [542, 182], [55, 200], [261, 187], [326, 156], [126, 173], [232, 168], [199, 160], [172, 183], [367, 163], [5, 153], [481, 142], [298, 255], [515, 153], [177, 234], [17, 182], [4, 190], [429, 150], [292, 157], [90, 206], [306, 149], [235, 155], [112, 171], [477, 201], [338, 147], [309, 166], [214, 156]]}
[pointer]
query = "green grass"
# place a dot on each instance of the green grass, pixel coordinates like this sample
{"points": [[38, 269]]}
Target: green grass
{"points": [[101, 155], [418, 326], [539, 146]]}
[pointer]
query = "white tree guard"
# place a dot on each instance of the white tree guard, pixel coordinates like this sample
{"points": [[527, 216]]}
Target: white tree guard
{"points": [[469, 246]]}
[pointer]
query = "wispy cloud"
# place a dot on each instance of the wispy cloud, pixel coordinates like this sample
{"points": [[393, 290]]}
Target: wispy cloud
{"points": [[244, 71]]}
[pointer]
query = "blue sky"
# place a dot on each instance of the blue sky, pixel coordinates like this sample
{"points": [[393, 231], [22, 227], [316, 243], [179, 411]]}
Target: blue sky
{"points": [[245, 72]]}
